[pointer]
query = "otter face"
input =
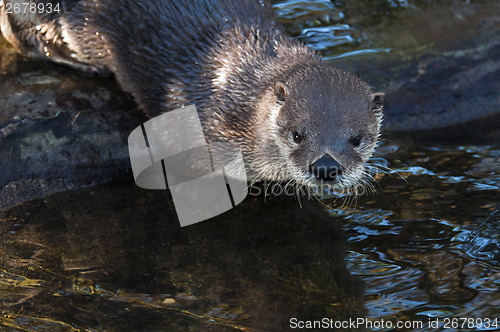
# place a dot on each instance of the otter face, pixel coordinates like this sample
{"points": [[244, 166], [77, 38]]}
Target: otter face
{"points": [[328, 127]]}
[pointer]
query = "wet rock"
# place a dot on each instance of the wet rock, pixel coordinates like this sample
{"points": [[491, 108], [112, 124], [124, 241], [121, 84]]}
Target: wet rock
{"points": [[59, 131], [439, 66]]}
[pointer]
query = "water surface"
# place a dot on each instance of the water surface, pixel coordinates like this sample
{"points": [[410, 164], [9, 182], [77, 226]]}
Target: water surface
{"points": [[425, 245]]}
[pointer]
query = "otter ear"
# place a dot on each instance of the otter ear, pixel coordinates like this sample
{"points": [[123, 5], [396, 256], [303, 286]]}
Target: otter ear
{"points": [[377, 102], [280, 92]]}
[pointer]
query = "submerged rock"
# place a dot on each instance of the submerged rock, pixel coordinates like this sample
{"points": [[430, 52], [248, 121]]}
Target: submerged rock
{"points": [[114, 258]]}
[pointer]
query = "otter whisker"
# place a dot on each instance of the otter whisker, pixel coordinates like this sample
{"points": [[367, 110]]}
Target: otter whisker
{"points": [[387, 170]]}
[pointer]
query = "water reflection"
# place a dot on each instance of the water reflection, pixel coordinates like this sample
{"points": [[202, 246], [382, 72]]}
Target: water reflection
{"points": [[426, 245], [102, 258], [430, 247], [114, 256]]}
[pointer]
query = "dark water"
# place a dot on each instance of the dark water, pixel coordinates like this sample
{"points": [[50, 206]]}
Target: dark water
{"points": [[429, 247], [425, 245]]}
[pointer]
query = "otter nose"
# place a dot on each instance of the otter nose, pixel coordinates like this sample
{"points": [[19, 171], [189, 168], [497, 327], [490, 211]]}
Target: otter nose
{"points": [[326, 168]]}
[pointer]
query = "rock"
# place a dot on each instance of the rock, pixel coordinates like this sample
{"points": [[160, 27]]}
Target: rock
{"points": [[439, 66], [59, 131]]}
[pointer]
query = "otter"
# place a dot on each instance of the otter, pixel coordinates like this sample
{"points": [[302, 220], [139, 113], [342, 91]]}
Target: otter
{"points": [[297, 119]]}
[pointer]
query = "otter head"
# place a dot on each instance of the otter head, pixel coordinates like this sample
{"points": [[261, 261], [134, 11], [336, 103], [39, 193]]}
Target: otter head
{"points": [[326, 125]]}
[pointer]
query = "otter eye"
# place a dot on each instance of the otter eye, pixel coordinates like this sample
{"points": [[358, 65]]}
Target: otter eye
{"points": [[297, 137], [356, 141]]}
